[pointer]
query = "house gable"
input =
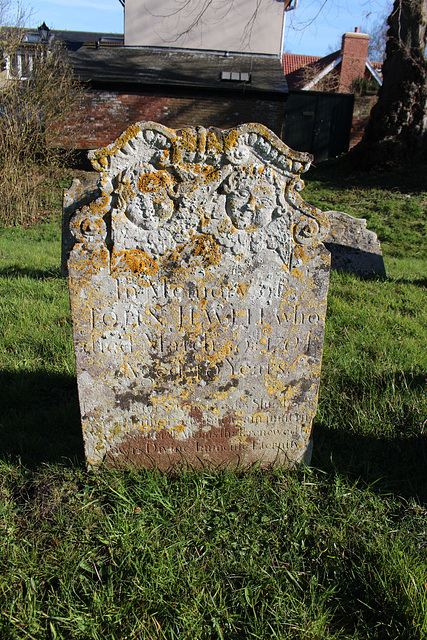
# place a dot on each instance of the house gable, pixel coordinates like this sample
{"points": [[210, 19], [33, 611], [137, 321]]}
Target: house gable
{"points": [[335, 72], [241, 26]]}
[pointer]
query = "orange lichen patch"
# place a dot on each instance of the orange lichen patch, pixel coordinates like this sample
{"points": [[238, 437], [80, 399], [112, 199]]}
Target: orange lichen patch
{"points": [[88, 263], [241, 438], [199, 174], [207, 248], [164, 158], [321, 217], [131, 132], [188, 140], [100, 204], [226, 226], [210, 173], [177, 429], [230, 139], [259, 417], [283, 392], [220, 354], [174, 261], [135, 261], [160, 425], [300, 254], [213, 144], [251, 171], [296, 273], [150, 182], [278, 363], [204, 219], [99, 158], [126, 191], [220, 395], [242, 289]]}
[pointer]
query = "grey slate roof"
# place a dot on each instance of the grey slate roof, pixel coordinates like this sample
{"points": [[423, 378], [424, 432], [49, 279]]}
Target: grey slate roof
{"points": [[177, 67], [101, 58], [74, 40]]}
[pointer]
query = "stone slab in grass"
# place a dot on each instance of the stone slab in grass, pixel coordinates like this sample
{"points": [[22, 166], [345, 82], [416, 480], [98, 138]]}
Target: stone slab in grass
{"points": [[353, 247]]}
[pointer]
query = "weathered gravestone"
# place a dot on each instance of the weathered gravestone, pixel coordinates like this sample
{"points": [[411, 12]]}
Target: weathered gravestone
{"points": [[198, 286], [352, 246]]}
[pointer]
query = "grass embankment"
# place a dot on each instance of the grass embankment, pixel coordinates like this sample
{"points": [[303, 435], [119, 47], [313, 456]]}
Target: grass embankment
{"points": [[337, 551]]}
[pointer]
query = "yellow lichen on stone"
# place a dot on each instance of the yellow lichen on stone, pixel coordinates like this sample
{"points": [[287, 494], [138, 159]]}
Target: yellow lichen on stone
{"points": [[178, 428], [99, 157], [125, 192], [152, 182], [231, 139], [300, 254], [203, 217], [101, 204], [241, 438], [296, 273], [135, 261], [259, 416], [282, 391], [242, 290], [206, 247], [213, 144], [188, 140]]}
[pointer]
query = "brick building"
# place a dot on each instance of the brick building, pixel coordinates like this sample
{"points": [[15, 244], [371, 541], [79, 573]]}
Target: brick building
{"points": [[218, 65], [179, 86], [175, 87], [345, 71]]}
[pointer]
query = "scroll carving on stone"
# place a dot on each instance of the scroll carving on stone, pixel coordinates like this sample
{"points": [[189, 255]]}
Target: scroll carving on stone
{"points": [[198, 286]]}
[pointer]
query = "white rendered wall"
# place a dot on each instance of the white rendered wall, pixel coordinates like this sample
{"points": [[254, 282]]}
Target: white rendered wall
{"points": [[226, 25]]}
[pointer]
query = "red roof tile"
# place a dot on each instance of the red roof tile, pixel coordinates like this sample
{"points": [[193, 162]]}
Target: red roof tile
{"points": [[292, 61], [310, 68]]}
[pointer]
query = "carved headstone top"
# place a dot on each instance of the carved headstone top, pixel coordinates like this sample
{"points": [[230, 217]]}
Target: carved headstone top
{"points": [[198, 289]]}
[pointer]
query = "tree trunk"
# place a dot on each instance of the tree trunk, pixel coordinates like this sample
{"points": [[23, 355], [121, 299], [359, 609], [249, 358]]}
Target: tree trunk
{"points": [[397, 128]]}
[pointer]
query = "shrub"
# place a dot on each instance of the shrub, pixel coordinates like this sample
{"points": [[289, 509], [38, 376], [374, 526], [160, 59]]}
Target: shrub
{"points": [[33, 110]]}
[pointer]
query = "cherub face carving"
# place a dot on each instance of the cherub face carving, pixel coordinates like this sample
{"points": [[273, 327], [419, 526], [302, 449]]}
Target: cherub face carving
{"points": [[147, 212], [251, 203]]}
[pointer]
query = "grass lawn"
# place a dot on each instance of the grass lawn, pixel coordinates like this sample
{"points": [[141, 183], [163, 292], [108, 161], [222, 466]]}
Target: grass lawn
{"points": [[336, 551]]}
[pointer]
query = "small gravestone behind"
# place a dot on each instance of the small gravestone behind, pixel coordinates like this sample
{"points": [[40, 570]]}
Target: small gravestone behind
{"points": [[353, 247], [198, 286]]}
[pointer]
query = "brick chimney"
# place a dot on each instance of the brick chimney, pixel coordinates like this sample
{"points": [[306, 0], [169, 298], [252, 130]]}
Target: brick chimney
{"points": [[354, 50]]}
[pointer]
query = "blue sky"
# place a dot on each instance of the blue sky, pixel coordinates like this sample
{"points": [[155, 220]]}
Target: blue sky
{"points": [[315, 27]]}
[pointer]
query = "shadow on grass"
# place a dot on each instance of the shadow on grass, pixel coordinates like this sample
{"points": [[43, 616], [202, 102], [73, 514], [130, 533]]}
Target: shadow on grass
{"points": [[40, 418], [40, 423], [338, 173], [421, 282], [390, 465], [35, 274]]}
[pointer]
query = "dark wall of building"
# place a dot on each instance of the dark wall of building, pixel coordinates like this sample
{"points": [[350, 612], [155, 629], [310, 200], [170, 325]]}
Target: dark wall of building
{"points": [[362, 109], [105, 114], [318, 122]]}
